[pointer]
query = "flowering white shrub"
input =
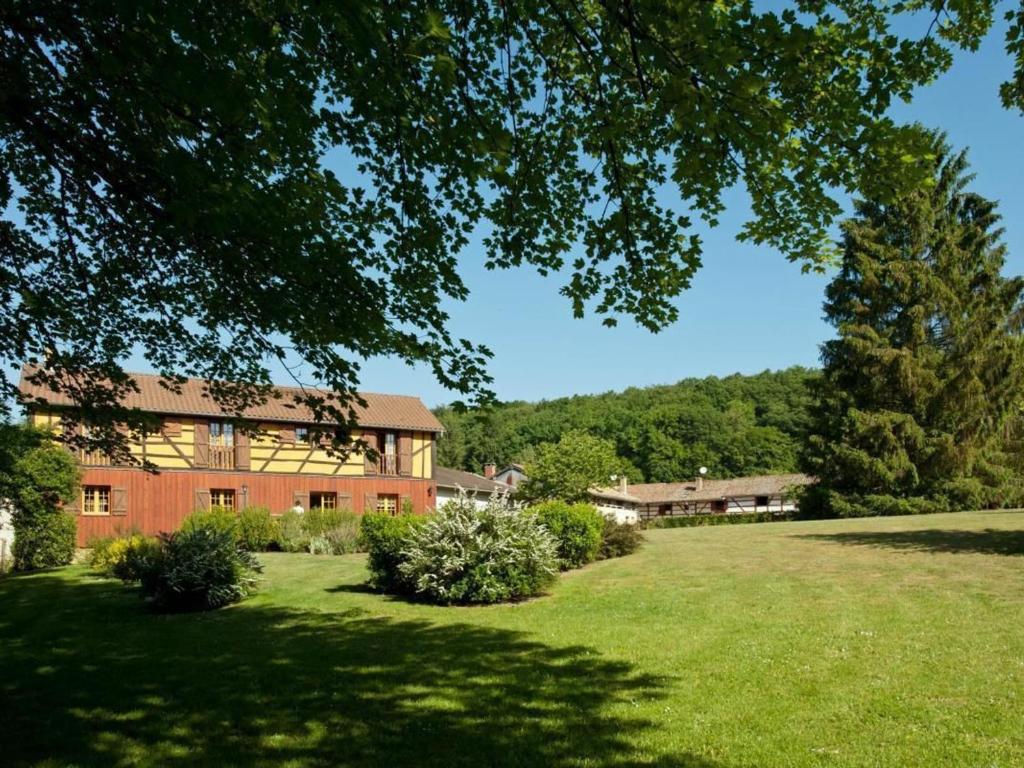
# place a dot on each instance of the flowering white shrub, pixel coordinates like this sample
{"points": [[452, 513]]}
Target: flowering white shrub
{"points": [[470, 555]]}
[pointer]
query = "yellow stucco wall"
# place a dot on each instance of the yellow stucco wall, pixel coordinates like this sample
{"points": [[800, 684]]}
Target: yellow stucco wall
{"points": [[267, 452]]}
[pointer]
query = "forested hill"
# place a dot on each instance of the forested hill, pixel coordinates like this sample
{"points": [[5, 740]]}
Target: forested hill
{"points": [[737, 425]]}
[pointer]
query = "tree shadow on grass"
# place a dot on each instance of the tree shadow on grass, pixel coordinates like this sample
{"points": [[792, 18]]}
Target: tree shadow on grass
{"points": [[990, 541], [88, 677]]}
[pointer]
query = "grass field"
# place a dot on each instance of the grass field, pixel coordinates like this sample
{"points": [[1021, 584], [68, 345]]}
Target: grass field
{"points": [[885, 642]]}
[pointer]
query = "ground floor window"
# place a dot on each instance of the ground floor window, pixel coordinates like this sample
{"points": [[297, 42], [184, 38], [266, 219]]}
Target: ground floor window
{"points": [[323, 500], [761, 501], [387, 503], [222, 497], [96, 500], [665, 509], [719, 505]]}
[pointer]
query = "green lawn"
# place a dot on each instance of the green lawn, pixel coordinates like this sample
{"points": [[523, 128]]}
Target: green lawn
{"points": [[891, 642]]}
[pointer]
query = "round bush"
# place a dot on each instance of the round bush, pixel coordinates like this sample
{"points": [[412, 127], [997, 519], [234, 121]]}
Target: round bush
{"points": [[199, 569], [215, 518], [384, 537], [619, 539], [127, 558], [470, 555], [577, 529], [257, 530]]}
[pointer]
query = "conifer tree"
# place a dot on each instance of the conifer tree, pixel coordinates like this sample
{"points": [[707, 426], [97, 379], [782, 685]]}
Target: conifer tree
{"points": [[922, 383]]}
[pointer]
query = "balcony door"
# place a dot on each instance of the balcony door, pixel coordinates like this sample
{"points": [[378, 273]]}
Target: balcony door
{"points": [[222, 445]]}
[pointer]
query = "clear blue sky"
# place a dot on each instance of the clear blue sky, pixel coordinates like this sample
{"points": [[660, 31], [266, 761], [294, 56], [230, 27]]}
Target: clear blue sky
{"points": [[748, 310]]}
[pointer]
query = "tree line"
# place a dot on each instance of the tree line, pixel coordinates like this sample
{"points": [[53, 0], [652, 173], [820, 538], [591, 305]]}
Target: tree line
{"points": [[735, 425]]}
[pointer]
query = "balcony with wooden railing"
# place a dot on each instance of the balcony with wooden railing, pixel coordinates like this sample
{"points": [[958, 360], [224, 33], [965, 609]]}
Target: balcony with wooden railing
{"points": [[93, 458], [222, 457]]}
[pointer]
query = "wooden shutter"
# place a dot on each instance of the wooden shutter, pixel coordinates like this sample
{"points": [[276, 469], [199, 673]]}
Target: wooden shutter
{"points": [[242, 452], [369, 503], [202, 444], [119, 501], [403, 501], [171, 428], [345, 501], [202, 499], [370, 464], [405, 454], [286, 435], [301, 498]]}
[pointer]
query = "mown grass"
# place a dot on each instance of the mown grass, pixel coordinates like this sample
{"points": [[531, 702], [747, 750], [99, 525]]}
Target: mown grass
{"points": [[887, 642]]}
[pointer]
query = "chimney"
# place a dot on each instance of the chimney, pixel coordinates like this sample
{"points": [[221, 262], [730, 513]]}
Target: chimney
{"points": [[623, 484], [490, 470], [700, 482]]}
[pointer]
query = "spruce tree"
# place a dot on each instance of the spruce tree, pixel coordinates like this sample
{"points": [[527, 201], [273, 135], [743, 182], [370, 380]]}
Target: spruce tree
{"points": [[922, 384]]}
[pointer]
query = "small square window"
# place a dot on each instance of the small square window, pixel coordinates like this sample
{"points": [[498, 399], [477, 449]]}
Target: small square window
{"points": [[719, 505], [761, 501], [222, 497], [301, 435], [323, 500], [388, 503], [96, 500]]}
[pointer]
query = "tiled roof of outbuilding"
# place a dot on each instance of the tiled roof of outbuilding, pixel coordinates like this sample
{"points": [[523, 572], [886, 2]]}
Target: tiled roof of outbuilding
{"points": [[457, 478], [758, 485]]}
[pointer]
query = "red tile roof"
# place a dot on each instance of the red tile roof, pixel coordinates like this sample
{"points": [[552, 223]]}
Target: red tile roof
{"points": [[384, 411]]}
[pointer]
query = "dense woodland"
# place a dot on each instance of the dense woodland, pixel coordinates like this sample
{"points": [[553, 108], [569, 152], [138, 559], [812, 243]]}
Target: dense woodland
{"points": [[737, 425]]}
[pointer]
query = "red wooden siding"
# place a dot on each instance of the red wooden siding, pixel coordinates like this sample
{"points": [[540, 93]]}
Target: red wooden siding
{"points": [[159, 502]]}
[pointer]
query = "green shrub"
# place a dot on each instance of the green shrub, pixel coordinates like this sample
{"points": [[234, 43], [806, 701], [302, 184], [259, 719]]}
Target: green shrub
{"points": [[384, 537], [471, 555], [43, 538], [199, 568], [213, 519], [576, 528], [43, 476], [257, 529], [127, 558], [291, 536], [696, 521], [619, 539], [331, 531]]}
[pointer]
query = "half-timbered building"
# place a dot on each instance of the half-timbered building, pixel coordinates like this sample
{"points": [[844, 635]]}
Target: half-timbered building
{"points": [[199, 459]]}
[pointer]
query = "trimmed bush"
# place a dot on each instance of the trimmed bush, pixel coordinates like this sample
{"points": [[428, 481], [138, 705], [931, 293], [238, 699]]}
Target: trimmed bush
{"points": [[470, 555], [619, 539], [319, 531], [43, 539], [257, 529], [127, 558], [577, 529], [291, 536], [215, 518], [384, 537], [696, 521], [199, 569], [331, 531]]}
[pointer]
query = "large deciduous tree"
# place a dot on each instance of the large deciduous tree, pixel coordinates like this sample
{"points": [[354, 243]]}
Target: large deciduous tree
{"points": [[212, 185], [568, 469], [925, 375]]}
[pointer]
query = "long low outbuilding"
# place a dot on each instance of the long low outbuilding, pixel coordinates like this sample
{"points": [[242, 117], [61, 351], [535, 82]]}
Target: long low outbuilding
{"points": [[761, 493]]}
